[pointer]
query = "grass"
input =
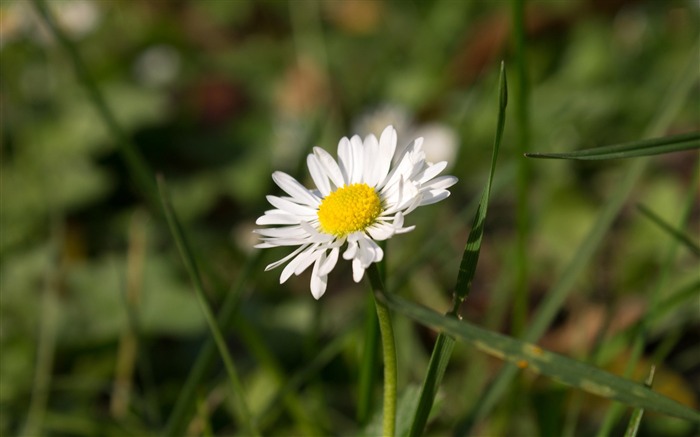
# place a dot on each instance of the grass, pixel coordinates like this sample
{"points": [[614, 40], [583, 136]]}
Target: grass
{"points": [[212, 344]]}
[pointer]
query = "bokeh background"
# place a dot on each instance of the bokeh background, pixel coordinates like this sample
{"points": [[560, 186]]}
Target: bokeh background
{"points": [[99, 325]]}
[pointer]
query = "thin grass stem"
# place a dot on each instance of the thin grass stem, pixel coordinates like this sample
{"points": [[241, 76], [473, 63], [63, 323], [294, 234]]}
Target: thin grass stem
{"points": [[242, 411]]}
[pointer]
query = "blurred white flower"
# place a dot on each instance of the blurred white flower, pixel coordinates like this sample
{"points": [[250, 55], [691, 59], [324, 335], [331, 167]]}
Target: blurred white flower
{"points": [[440, 140], [157, 66]]}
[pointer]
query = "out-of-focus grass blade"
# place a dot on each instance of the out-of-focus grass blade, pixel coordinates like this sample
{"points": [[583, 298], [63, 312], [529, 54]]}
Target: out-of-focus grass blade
{"points": [[636, 419], [442, 351], [548, 309], [244, 417], [675, 233], [656, 146], [527, 355]]}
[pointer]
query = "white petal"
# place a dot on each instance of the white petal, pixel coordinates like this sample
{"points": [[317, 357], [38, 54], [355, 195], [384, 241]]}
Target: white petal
{"points": [[277, 219], [370, 175], [304, 258], [318, 282], [357, 270], [380, 231], [286, 232], [285, 259], [440, 183], [351, 250], [434, 196], [431, 171], [328, 263], [330, 166], [292, 187], [318, 174], [291, 207], [387, 147], [357, 150], [369, 252], [345, 159]]}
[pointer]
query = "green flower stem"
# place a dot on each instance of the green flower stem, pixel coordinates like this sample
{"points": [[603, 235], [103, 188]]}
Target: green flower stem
{"points": [[388, 351]]}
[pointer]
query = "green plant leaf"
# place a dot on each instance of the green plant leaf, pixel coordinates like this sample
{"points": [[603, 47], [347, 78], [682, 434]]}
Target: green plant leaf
{"points": [[527, 355], [675, 233], [656, 146], [442, 351]]}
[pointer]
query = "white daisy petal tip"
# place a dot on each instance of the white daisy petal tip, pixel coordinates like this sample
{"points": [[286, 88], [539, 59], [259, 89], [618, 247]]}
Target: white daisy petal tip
{"points": [[359, 198]]}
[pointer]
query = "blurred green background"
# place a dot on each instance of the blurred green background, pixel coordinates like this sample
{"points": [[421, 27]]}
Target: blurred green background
{"points": [[99, 326]]}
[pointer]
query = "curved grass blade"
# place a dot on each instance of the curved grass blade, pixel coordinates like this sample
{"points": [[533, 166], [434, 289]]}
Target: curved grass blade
{"points": [[656, 146], [242, 411], [442, 351], [527, 355], [636, 419], [678, 235]]}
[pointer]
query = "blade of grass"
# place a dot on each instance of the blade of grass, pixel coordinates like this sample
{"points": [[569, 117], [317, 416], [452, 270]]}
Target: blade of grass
{"points": [[522, 125], [442, 351], [614, 412], [527, 355], [655, 146], [141, 173], [564, 285], [244, 417], [675, 233], [636, 419], [205, 358]]}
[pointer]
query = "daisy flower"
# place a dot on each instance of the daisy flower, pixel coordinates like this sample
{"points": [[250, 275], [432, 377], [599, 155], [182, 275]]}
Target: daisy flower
{"points": [[359, 199]]}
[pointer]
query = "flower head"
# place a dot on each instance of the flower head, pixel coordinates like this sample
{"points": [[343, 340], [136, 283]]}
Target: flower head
{"points": [[359, 199]]}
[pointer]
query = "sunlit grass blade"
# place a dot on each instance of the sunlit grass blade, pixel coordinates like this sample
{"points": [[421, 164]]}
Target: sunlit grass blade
{"points": [[244, 417], [675, 233], [636, 419], [442, 351], [656, 146], [581, 255], [527, 355]]}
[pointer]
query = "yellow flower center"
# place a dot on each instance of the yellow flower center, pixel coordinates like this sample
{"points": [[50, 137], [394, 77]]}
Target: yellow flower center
{"points": [[348, 209]]}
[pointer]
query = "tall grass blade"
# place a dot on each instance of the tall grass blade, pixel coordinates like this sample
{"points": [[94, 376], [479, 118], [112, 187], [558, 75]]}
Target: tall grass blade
{"points": [[244, 417], [636, 419], [442, 351], [527, 355], [561, 289], [675, 233], [656, 146]]}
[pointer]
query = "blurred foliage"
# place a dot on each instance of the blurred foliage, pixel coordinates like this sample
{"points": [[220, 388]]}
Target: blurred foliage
{"points": [[217, 94]]}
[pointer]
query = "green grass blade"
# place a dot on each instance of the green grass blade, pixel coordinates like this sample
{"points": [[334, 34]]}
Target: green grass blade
{"points": [[205, 358], [442, 351], [522, 125], [675, 233], [444, 344], [636, 419], [527, 355], [470, 258], [244, 417], [656, 146], [564, 285]]}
